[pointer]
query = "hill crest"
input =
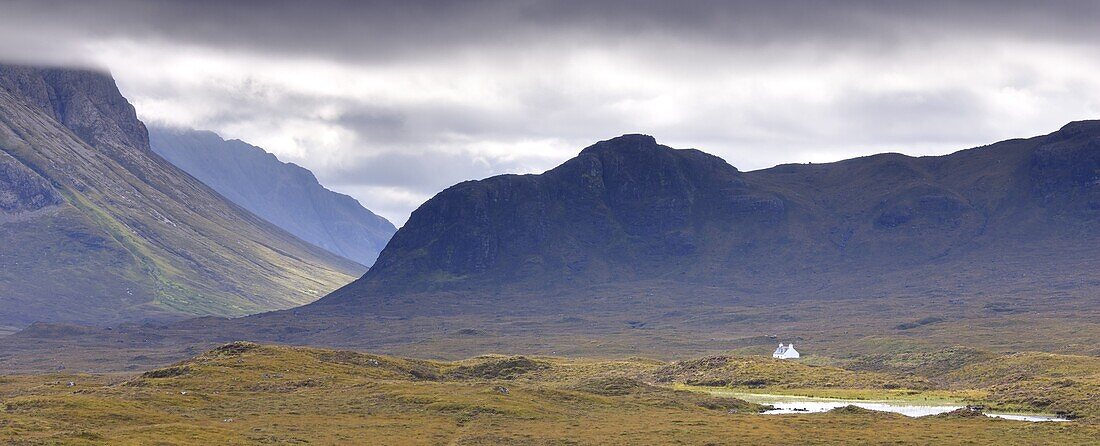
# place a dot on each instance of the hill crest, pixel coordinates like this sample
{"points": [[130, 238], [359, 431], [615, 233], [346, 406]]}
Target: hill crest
{"points": [[629, 208]]}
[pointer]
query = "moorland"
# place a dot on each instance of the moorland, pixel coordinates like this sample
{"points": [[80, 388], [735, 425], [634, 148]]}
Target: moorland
{"points": [[244, 393]]}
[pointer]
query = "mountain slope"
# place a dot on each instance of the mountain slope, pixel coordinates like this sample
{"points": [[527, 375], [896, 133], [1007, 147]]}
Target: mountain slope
{"points": [[629, 209], [281, 193], [96, 228], [633, 248]]}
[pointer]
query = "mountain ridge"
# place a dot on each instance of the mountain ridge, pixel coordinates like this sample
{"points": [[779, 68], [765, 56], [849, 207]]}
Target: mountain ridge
{"points": [[632, 208], [285, 194], [675, 253]]}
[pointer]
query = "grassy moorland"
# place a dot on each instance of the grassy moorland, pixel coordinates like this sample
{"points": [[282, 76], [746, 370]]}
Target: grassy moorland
{"points": [[1029, 381], [1067, 383], [245, 393]]}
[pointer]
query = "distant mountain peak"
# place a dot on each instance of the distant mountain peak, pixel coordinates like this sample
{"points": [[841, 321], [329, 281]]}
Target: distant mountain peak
{"points": [[644, 150], [284, 194], [1090, 127], [628, 141]]}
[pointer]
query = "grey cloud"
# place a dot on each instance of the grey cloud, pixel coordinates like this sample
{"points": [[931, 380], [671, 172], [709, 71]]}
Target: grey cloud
{"points": [[393, 184], [375, 124], [379, 30], [422, 174], [904, 117], [722, 76]]}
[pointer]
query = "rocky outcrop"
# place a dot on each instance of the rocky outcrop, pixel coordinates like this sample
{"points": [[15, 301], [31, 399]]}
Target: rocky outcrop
{"points": [[22, 190], [1065, 169], [87, 102]]}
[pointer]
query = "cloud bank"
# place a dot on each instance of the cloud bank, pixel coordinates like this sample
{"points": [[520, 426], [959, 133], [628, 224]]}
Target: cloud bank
{"points": [[393, 101]]}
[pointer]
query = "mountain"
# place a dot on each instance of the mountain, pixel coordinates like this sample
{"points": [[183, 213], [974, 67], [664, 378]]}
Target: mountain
{"points": [[629, 209], [96, 228], [634, 248], [282, 193]]}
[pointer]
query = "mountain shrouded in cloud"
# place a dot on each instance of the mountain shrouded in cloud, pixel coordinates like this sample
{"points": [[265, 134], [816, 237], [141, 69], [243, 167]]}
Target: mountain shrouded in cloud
{"points": [[473, 89], [281, 193]]}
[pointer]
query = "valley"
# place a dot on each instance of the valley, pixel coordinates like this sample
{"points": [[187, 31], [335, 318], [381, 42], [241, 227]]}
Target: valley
{"points": [[630, 295], [284, 194]]}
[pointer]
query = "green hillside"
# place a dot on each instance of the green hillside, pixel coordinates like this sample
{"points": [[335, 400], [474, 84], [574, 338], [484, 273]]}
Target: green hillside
{"points": [[96, 228]]}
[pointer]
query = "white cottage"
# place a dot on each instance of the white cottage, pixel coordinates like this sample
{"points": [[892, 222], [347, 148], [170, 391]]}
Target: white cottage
{"points": [[785, 352]]}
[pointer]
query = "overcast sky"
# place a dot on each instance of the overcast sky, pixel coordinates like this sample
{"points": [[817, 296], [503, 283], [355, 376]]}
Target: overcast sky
{"points": [[392, 101]]}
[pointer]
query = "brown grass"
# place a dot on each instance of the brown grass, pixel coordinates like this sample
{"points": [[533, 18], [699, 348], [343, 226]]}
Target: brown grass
{"points": [[251, 394]]}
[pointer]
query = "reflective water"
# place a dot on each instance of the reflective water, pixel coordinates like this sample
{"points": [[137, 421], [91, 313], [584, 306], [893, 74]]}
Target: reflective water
{"points": [[1025, 417], [782, 407], [785, 404]]}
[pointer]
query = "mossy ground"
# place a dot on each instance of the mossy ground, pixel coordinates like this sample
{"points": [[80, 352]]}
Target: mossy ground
{"points": [[253, 394]]}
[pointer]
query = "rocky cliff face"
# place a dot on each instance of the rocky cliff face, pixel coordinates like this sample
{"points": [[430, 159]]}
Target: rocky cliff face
{"points": [[630, 209], [284, 194], [86, 102], [96, 228], [22, 190], [1065, 168]]}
